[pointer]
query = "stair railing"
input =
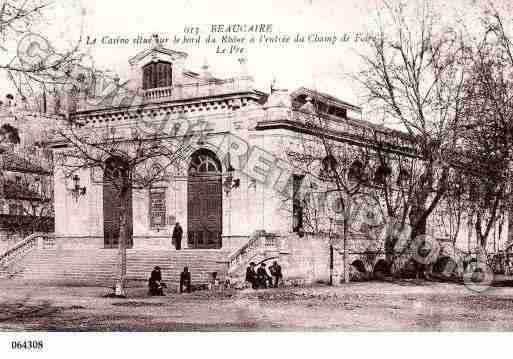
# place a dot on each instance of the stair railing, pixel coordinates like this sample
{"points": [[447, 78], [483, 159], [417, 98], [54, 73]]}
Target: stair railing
{"points": [[23, 247], [259, 242]]}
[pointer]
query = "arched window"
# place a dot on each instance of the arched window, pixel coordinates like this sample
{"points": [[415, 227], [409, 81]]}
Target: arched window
{"points": [[329, 163], [297, 204], [328, 167], [403, 177], [204, 162], [382, 174], [116, 170], [357, 172], [157, 74], [157, 171]]}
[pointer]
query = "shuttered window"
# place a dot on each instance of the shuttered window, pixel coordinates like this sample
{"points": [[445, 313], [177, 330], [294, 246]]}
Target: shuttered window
{"points": [[157, 74], [157, 207]]}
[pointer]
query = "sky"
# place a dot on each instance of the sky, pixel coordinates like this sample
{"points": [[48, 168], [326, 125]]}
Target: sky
{"points": [[319, 65], [315, 65], [312, 65]]}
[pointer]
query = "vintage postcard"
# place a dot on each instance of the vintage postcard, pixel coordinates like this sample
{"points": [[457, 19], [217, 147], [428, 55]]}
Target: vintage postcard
{"points": [[255, 166]]}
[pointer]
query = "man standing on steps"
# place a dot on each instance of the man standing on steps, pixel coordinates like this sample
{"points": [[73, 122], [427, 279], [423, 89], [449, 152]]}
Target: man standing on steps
{"points": [[263, 278], [177, 236]]}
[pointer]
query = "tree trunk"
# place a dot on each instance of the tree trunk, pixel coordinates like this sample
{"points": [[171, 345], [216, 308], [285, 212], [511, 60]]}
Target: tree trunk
{"points": [[121, 283], [346, 269], [331, 264]]}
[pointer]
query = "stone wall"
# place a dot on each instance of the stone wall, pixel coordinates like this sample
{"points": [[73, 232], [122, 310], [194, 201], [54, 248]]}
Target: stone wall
{"points": [[307, 258], [154, 242]]}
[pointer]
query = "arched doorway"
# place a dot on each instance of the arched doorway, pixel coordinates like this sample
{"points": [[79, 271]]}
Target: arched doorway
{"points": [[381, 269], [204, 201], [115, 173], [445, 266]]}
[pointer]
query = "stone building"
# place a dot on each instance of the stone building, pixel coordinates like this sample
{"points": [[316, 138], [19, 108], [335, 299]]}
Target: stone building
{"points": [[232, 187], [26, 178]]}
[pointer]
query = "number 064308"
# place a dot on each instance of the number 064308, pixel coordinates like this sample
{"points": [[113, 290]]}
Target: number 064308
{"points": [[27, 344]]}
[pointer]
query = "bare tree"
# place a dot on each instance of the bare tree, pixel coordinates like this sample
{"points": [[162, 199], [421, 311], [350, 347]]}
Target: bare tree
{"points": [[332, 178], [130, 158], [31, 196], [488, 131], [34, 66], [450, 214], [37, 187], [451, 94], [17, 17], [413, 77]]}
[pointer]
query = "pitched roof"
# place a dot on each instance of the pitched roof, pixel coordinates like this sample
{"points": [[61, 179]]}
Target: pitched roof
{"points": [[141, 55]]}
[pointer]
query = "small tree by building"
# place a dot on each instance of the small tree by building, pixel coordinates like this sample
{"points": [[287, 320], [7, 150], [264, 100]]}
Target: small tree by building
{"points": [[329, 180], [129, 157]]}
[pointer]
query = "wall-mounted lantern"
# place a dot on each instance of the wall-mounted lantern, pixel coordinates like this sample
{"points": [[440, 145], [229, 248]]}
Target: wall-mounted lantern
{"points": [[77, 190], [230, 182]]}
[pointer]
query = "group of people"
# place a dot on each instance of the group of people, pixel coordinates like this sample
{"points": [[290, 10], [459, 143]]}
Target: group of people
{"points": [[257, 278], [156, 285], [261, 278]]}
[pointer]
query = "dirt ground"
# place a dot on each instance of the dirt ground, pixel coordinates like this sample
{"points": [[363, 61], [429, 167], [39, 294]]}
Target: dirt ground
{"points": [[371, 306]]}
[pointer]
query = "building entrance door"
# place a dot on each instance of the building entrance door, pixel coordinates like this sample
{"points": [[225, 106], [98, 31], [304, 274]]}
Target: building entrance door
{"points": [[204, 201], [112, 206]]}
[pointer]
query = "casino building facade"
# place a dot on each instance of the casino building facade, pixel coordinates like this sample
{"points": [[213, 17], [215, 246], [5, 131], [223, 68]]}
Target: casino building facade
{"points": [[232, 189]]}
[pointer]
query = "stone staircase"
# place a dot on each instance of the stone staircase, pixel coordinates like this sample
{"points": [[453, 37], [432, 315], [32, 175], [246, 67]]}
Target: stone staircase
{"points": [[11, 258], [101, 266], [38, 258], [261, 247]]}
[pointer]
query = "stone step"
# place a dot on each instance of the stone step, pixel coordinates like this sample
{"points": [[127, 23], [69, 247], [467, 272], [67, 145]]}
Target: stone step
{"points": [[100, 267]]}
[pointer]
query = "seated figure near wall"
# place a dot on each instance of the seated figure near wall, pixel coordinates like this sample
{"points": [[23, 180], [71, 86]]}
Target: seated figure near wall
{"points": [[155, 284], [185, 280], [214, 283]]}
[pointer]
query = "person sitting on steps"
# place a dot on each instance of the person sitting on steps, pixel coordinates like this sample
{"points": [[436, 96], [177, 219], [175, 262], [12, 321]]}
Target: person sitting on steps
{"points": [[155, 284], [263, 278], [214, 283], [185, 280]]}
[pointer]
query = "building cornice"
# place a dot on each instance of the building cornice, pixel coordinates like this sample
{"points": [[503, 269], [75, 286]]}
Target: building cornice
{"points": [[339, 136], [153, 109]]}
